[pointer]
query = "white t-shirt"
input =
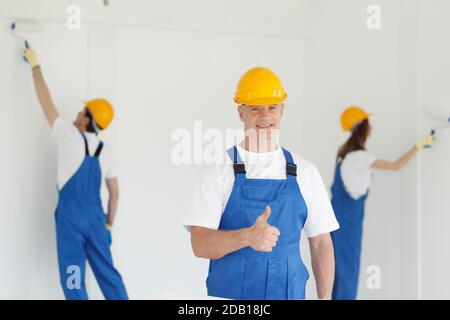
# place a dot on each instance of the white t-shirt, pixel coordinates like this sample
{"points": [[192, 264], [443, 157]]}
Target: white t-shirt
{"points": [[71, 152], [356, 172], [214, 185]]}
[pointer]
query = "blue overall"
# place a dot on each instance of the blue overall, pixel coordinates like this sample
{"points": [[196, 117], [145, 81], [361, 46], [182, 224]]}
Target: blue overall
{"points": [[81, 233], [250, 274], [347, 239]]}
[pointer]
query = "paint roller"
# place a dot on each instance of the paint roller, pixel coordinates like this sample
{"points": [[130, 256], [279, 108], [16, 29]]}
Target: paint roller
{"points": [[440, 115], [21, 26]]}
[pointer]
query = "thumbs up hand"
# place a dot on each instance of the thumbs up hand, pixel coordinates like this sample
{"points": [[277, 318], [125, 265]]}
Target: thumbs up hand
{"points": [[262, 236]]}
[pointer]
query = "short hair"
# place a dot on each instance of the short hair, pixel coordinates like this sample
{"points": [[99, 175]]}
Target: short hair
{"points": [[90, 126]]}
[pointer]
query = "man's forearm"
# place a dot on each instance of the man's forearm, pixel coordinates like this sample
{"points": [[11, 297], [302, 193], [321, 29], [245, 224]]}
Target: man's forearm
{"points": [[322, 257], [43, 95], [112, 209], [214, 244]]}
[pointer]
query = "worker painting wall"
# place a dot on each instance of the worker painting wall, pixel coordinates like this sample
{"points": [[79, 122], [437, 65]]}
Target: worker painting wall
{"points": [[29, 190], [406, 216], [349, 64]]}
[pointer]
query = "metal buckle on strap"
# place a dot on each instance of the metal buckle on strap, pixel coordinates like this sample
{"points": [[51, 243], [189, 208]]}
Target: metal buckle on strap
{"points": [[291, 169], [238, 168]]}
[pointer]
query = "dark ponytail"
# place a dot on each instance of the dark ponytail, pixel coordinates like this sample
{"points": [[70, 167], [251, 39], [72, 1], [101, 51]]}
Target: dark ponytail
{"points": [[356, 141]]}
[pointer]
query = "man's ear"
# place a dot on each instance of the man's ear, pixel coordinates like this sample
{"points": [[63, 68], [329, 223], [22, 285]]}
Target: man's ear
{"points": [[240, 110], [282, 108]]}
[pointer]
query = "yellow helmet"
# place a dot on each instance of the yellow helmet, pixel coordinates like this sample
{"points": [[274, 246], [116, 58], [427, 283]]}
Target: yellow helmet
{"points": [[259, 86], [102, 112], [352, 116]]}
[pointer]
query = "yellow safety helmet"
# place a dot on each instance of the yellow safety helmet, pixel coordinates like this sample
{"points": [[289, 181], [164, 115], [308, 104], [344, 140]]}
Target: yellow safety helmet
{"points": [[259, 86], [353, 116], [102, 112]]}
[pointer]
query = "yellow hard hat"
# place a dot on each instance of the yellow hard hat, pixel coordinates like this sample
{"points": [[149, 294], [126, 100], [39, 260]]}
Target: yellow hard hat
{"points": [[352, 116], [259, 86], [101, 110]]}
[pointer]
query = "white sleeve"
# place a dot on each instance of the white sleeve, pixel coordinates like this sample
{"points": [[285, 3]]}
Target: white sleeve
{"points": [[321, 218], [110, 163], [356, 172], [365, 160], [61, 131], [205, 209]]}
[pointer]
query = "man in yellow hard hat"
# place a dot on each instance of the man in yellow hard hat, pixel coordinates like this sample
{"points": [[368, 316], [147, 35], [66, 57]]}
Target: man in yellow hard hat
{"points": [[249, 208], [83, 230]]}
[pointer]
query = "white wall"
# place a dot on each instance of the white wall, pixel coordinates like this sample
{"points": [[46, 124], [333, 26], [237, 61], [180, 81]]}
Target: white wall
{"points": [[434, 70], [410, 194], [166, 64]]}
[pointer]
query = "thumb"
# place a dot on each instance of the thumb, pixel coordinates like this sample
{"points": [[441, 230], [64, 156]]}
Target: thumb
{"points": [[266, 214]]}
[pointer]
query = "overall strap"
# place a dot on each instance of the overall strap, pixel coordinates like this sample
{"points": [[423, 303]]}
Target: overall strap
{"points": [[99, 149], [238, 165], [291, 167], [86, 147]]}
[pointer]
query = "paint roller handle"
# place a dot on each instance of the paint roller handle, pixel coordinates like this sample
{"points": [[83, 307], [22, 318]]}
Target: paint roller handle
{"points": [[27, 46], [432, 133]]}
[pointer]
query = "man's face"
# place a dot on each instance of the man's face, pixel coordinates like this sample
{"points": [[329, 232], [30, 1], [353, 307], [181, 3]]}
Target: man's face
{"points": [[82, 120], [261, 118]]}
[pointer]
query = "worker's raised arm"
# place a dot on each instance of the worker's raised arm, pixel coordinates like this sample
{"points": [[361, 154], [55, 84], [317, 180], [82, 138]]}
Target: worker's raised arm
{"points": [[404, 159], [42, 92], [214, 244]]}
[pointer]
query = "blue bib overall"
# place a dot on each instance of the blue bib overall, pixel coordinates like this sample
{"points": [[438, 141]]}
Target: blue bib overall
{"points": [[250, 274], [347, 239], [81, 233]]}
